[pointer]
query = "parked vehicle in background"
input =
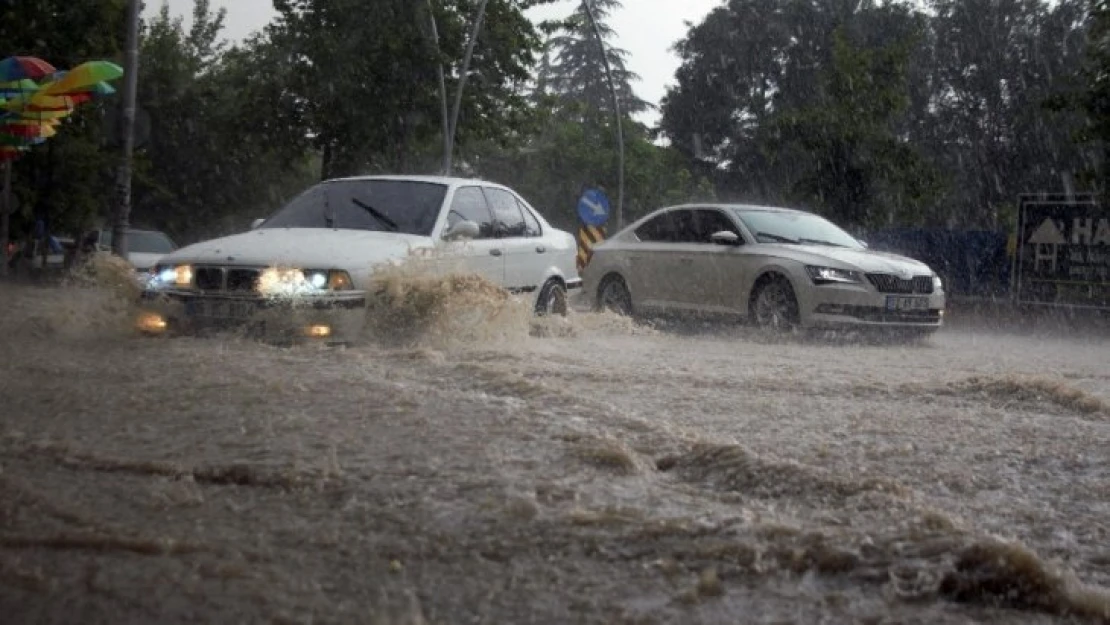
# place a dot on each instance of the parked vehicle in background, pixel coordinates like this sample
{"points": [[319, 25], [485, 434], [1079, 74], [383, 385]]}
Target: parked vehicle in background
{"points": [[778, 267], [319, 253], [144, 247]]}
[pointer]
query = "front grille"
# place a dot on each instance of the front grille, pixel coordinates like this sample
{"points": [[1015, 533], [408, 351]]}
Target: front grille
{"points": [[242, 279], [889, 283], [209, 278], [879, 315]]}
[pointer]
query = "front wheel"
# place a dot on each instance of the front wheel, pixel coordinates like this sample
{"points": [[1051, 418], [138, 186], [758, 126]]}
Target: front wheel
{"points": [[552, 299], [774, 306]]}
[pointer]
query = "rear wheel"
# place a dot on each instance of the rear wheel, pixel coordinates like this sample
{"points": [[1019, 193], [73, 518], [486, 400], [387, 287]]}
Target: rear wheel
{"points": [[774, 306], [613, 296], [552, 299]]}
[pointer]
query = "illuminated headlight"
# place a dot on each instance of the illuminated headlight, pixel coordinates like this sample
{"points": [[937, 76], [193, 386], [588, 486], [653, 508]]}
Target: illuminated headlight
{"points": [[170, 275], [825, 275], [938, 284], [275, 281]]}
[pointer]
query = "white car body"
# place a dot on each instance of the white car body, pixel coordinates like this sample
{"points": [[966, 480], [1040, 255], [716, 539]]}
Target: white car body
{"points": [[722, 272], [519, 251]]}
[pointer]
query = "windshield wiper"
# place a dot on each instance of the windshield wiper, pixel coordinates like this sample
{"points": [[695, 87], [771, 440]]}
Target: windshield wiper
{"points": [[776, 237], [376, 213], [820, 242]]}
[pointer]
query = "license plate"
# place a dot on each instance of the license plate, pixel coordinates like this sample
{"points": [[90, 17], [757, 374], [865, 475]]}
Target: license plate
{"points": [[224, 309], [907, 303]]}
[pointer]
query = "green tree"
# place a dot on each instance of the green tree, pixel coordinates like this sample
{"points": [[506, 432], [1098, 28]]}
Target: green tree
{"points": [[574, 72], [367, 89], [214, 157]]}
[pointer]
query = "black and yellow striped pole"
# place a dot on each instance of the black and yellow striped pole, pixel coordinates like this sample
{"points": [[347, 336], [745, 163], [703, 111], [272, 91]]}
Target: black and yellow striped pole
{"points": [[588, 237]]}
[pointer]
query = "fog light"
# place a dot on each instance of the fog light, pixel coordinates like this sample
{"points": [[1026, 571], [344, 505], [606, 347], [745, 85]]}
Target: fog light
{"points": [[151, 322], [318, 331]]}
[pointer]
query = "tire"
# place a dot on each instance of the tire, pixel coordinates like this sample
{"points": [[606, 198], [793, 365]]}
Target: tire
{"points": [[613, 295], [552, 299], [774, 306]]}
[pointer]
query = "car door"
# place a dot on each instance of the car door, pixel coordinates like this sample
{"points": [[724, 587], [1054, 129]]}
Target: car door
{"points": [[526, 258], [483, 255], [714, 267], [657, 266]]}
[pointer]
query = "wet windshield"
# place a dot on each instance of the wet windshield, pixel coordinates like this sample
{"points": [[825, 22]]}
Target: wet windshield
{"points": [[790, 227], [407, 207]]}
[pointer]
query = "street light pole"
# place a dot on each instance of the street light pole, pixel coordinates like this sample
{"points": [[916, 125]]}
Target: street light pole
{"points": [[587, 4], [127, 132], [442, 91], [462, 83]]}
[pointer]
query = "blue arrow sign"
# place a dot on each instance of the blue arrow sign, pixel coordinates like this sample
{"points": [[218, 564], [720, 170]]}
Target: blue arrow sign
{"points": [[593, 208]]}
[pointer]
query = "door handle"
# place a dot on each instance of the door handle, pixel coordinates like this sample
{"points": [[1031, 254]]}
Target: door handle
{"points": [[540, 249], [685, 261], [495, 252]]}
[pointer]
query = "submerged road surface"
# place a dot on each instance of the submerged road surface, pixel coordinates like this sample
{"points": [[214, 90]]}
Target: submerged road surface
{"points": [[595, 472]]}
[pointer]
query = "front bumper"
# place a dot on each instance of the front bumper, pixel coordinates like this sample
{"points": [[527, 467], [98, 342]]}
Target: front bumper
{"points": [[335, 317], [852, 305]]}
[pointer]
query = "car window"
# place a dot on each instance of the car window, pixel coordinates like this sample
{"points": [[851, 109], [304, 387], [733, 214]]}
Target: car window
{"points": [[531, 224], [711, 221], [508, 220], [404, 206], [149, 243], [658, 229], [469, 204], [685, 228]]}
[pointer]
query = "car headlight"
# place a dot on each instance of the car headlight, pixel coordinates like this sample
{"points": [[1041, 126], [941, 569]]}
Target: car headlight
{"points": [[170, 275], [825, 275], [275, 281], [938, 284]]}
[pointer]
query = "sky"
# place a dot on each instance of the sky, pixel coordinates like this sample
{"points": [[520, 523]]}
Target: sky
{"points": [[645, 28]]}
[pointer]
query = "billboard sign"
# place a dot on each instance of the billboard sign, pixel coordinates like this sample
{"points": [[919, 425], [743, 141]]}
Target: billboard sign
{"points": [[1063, 251]]}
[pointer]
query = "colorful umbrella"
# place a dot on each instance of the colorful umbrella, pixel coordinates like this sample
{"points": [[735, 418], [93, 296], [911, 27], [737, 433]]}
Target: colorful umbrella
{"points": [[17, 87], [83, 77], [20, 67]]}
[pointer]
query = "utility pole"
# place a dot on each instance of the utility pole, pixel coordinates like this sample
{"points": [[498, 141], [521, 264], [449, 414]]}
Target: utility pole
{"points": [[462, 83], [127, 132], [588, 5], [442, 92]]}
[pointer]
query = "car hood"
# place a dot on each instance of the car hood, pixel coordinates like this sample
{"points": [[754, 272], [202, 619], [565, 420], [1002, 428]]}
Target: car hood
{"points": [[868, 261], [315, 248]]}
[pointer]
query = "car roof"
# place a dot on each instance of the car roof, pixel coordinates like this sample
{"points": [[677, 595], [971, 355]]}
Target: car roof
{"points": [[754, 207], [446, 180]]}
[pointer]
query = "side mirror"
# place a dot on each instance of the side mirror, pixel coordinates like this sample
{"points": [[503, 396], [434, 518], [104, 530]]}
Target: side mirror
{"points": [[725, 237], [256, 223], [463, 230]]}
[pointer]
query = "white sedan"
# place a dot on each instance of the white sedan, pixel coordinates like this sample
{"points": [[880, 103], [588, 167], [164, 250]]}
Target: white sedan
{"points": [[319, 254], [779, 267]]}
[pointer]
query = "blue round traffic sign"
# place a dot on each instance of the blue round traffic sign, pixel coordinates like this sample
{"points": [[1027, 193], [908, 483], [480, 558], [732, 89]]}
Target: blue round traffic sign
{"points": [[593, 208]]}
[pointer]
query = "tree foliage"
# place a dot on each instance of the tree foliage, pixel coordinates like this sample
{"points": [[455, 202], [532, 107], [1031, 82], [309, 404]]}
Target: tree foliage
{"points": [[880, 112]]}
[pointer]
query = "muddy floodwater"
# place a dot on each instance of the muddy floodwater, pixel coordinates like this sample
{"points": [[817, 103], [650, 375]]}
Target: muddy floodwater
{"points": [[586, 471]]}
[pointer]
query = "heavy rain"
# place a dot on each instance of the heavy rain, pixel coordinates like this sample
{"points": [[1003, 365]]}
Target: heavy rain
{"points": [[517, 391]]}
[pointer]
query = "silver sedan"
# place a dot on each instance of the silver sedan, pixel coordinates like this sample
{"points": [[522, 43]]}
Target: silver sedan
{"points": [[781, 268]]}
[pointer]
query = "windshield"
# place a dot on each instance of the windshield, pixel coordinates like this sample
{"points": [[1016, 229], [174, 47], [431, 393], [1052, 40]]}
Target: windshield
{"points": [[789, 227], [403, 206]]}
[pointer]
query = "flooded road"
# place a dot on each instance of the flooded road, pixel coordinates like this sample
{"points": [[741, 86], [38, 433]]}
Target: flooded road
{"points": [[594, 472]]}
